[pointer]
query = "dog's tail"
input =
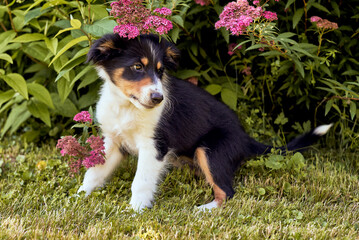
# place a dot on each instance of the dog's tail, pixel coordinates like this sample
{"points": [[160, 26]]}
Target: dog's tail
{"points": [[298, 144]]}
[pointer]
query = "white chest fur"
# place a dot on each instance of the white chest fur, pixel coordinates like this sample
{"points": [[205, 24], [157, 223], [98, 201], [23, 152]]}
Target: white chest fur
{"points": [[125, 124]]}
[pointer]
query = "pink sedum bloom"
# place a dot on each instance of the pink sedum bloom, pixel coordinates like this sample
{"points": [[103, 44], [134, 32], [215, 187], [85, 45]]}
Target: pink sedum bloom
{"points": [[96, 143], [134, 18], [95, 158], [163, 11], [70, 146], [127, 31], [247, 71], [270, 16], [324, 23], [202, 2], [159, 24], [315, 19], [83, 116], [237, 16]]}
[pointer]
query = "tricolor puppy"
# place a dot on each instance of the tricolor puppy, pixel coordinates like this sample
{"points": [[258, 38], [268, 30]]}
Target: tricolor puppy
{"points": [[144, 111]]}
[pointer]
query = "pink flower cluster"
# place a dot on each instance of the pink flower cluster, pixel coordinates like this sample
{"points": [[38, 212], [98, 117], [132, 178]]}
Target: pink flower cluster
{"points": [[202, 2], [96, 156], [324, 23], [270, 16], [134, 19], [237, 16], [83, 117], [89, 155]]}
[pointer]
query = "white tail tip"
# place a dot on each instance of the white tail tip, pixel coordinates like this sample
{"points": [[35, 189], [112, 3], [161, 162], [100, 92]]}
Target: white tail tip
{"points": [[323, 129]]}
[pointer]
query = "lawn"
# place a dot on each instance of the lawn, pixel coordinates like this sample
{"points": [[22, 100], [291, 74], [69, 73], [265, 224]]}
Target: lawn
{"points": [[320, 200]]}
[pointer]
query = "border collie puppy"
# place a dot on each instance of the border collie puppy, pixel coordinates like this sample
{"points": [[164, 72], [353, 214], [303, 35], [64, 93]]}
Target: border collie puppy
{"points": [[144, 111]]}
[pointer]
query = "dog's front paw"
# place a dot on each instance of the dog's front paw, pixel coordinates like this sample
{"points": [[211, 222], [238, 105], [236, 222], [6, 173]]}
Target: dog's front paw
{"points": [[139, 204], [85, 189]]}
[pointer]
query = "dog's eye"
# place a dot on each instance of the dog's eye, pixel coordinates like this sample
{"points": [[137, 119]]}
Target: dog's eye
{"points": [[160, 71], [137, 67]]}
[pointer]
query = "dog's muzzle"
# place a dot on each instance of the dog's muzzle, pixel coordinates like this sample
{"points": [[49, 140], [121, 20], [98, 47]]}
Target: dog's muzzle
{"points": [[156, 98]]}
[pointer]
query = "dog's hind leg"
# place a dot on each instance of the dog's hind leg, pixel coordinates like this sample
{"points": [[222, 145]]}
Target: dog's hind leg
{"points": [[218, 176], [97, 175]]}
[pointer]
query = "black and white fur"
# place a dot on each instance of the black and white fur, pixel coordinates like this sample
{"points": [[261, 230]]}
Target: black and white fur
{"points": [[144, 111]]}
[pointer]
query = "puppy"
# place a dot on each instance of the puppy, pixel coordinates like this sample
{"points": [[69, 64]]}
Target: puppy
{"points": [[144, 111]]}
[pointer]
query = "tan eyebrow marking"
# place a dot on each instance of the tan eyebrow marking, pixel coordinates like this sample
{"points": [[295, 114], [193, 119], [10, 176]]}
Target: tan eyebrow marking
{"points": [[159, 65], [144, 61]]}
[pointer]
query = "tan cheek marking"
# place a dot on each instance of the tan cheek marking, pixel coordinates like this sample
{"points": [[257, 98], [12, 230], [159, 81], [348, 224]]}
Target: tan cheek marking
{"points": [[219, 194], [159, 65], [130, 87], [144, 61]]}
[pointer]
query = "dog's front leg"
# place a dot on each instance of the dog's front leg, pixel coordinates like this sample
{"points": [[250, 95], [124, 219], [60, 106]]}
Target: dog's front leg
{"points": [[97, 175], [148, 173]]}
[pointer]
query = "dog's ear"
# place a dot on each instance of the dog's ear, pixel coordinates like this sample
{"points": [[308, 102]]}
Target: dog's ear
{"points": [[172, 56], [105, 48]]}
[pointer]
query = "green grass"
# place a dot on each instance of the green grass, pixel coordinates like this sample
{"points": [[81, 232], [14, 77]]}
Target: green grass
{"points": [[320, 201]]}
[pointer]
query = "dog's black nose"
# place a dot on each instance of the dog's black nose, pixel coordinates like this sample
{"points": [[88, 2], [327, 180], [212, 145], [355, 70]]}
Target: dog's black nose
{"points": [[156, 97]]}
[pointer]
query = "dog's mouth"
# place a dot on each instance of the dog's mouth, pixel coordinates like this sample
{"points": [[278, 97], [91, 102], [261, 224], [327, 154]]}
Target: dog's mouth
{"points": [[142, 104]]}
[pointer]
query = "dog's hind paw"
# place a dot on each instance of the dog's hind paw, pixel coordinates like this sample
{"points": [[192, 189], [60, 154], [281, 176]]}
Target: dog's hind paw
{"points": [[208, 206]]}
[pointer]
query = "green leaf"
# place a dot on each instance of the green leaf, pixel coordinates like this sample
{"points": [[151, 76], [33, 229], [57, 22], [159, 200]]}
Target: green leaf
{"points": [[281, 119], [75, 23], [290, 2], [39, 110], [328, 106], [174, 34], [296, 161], [286, 35], [64, 88], [213, 89], [18, 115], [75, 59], [89, 78], [297, 16], [256, 46], [53, 3], [229, 97], [320, 7], [353, 109], [6, 57], [101, 27], [261, 191], [225, 34], [29, 37], [40, 93], [51, 44], [301, 50], [68, 46], [287, 187], [351, 72], [271, 54], [5, 38], [6, 96], [274, 162], [38, 50], [34, 13], [299, 66], [16, 82], [177, 19], [66, 108]]}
